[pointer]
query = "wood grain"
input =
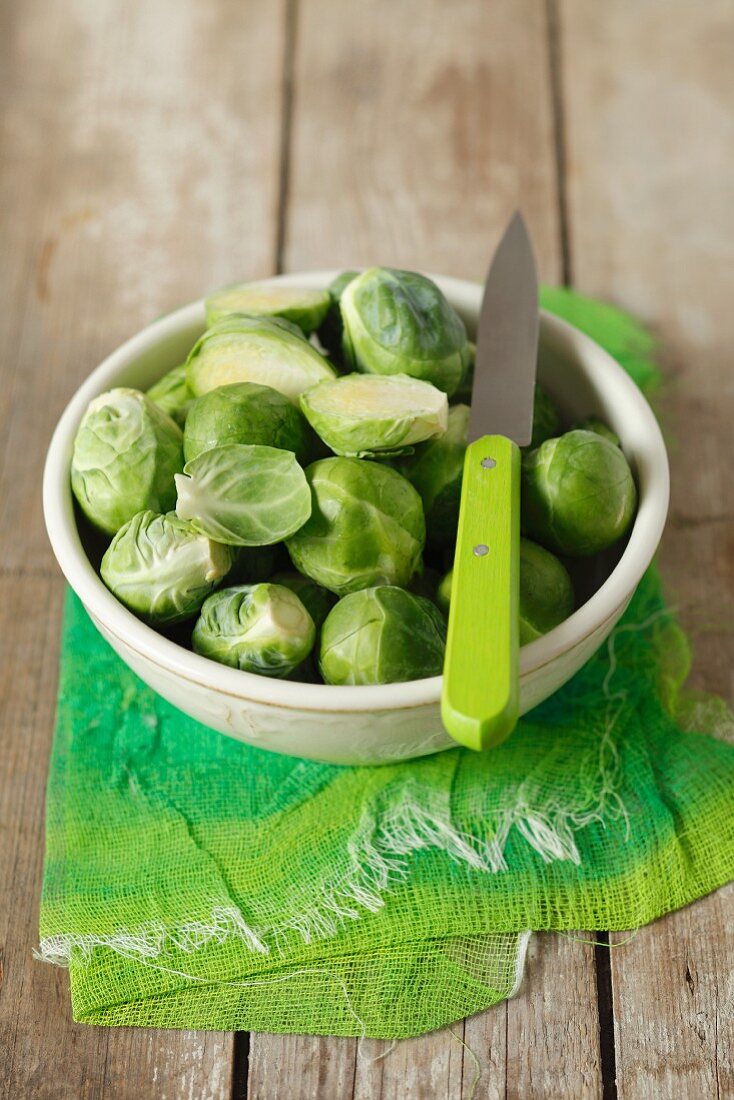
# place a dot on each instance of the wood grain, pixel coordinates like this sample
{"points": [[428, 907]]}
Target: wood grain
{"points": [[417, 128], [651, 219], [140, 167], [141, 172], [153, 151]]}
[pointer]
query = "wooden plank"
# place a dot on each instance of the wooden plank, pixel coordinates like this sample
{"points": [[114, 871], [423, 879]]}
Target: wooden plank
{"points": [[141, 165], [417, 128], [553, 1026], [141, 162], [675, 1023], [650, 150], [307, 1067]]}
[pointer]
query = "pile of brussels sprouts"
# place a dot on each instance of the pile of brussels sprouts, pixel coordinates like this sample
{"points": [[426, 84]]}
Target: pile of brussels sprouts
{"points": [[291, 492]]}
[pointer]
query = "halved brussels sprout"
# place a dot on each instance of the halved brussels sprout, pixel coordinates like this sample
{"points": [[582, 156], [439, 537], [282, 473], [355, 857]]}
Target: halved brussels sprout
{"points": [[368, 414], [245, 412], [244, 495], [366, 527], [302, 306], [172, 394], [546, 592], [382, 635], [578, 495], [162, 568], [126, 453], [255, 349], [330, 330], [261, 628], [594, 424], [436, 470], [546, 418], [317, 601], [399, 322]]}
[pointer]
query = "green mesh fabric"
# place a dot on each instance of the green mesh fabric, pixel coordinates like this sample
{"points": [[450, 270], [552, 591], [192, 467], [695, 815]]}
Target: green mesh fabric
{"points": [[191, 881]]}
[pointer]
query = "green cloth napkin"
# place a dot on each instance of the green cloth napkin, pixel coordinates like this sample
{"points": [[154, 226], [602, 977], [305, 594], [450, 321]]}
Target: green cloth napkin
{"points": [[191, 881]]}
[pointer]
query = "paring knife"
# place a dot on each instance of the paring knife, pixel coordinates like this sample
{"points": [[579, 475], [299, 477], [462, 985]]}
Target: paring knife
{"points": [[480, 685]]}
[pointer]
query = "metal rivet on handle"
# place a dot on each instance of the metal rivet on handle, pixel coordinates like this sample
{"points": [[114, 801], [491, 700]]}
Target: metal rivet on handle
{"points": [[480, 550], [488, 463]]}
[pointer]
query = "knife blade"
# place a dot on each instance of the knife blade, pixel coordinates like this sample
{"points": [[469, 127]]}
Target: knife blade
{"points": [[507, 341], [480, 696]]}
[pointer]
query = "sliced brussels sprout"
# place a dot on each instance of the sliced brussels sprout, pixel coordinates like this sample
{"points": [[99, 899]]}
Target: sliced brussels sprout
{"points": [[370, 414], [266, 350], [302, 306], [126, 453], [436, 470], [261, 628], [546, 418], [162, 568], [578, 495], [366, 527], [546, 592], [172, 394], [594, 424], [330, 330], [382, 635], [399, 322], [317, 601], [245, 412], [244, 495]]}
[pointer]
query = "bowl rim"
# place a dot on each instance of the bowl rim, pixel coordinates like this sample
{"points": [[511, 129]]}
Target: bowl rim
{"points": [[653, 480]]}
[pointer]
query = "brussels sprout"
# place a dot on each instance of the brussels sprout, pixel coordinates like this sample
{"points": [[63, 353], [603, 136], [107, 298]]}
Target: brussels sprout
{"points": [[578, 495], [302, 306], [244, 495], [255, 349], [245, 412], [436, 470], [161, 568], [593, 424], [382, 635], [366, 527], [126, 453], [546, 418], [369, 414], [546, 592], [262, 628], [399, 322], [463, 395], [443, 592], [317, 601], [171, 394], [331, 328]]}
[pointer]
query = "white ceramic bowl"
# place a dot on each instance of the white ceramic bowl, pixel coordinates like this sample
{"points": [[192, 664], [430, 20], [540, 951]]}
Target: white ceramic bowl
{"points": [[360, 725]]}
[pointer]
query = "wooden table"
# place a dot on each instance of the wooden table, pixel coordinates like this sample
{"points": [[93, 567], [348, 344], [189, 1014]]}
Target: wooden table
{"points": [[152, 151]]}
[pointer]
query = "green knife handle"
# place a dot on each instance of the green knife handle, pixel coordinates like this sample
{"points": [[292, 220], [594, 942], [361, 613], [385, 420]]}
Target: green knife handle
{"points": [[480, 684]]}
